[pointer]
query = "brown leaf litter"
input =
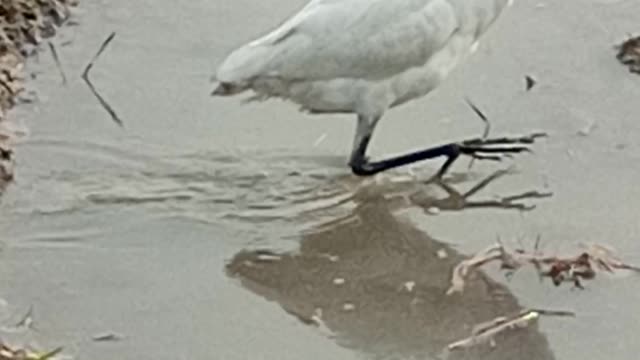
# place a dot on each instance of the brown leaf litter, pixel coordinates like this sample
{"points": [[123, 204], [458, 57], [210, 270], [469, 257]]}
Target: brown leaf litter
{"points": [[23, 26], [629, 53]]}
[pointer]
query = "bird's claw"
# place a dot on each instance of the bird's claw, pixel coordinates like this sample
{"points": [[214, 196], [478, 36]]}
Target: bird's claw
{"points": [[526, 139], [496, 149], [490, 157]]}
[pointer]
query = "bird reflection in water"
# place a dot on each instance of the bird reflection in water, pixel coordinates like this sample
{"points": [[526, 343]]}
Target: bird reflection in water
{"points": [[376, 284], [456, 200]]}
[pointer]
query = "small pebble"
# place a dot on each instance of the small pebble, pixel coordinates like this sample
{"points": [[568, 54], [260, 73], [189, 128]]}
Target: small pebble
{"points": [[332, 258], [348, 307], [317, 315], [409, 285], [268, 257], [338, 281]]}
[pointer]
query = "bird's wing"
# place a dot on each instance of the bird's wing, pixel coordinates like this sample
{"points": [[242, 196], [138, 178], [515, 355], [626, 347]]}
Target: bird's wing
{"points": [[365, 39]]}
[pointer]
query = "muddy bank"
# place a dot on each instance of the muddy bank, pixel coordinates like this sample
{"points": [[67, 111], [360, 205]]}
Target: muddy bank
{"points": [[24, 26]]}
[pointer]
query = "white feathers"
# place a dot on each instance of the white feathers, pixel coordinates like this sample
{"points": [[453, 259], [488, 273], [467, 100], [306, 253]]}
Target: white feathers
{"points": [[360, 56]]}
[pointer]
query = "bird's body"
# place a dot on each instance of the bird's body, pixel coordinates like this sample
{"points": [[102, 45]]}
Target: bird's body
{"points": [[359, 56]]}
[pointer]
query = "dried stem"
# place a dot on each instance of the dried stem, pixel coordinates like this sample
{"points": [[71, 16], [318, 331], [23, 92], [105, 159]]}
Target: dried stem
{"points": [[85, 77], [485, 333], [54, 54], [483, 117], [559, 270]]}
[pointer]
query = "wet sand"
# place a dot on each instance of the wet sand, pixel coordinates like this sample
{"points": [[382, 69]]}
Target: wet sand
{"points": [[205, 229]]}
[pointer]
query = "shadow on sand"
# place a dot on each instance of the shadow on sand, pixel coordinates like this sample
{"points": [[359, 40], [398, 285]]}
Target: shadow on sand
{"points": [[376, 284]]}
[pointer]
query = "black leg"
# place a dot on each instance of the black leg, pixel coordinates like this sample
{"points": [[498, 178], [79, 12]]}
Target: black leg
{"points": [[482, 149]]}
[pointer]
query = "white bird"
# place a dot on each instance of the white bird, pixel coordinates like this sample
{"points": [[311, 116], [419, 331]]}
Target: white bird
{"points": [[365, 57]]}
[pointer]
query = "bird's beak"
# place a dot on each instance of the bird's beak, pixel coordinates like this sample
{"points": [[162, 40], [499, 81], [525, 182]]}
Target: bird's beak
{"points": [[227, 89], [219, 90]]}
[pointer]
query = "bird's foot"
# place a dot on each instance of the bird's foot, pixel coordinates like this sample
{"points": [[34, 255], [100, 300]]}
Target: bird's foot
{"points": [[479, 148], [494, 149], [497, 148]]}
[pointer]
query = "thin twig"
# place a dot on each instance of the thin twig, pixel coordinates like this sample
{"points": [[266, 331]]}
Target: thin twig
{"points": [[7, 87], [54, 54], [85, 77], [485, 333], [461, 272], [50, 354], [483, 117], [27, 319], [25, 323], [104, 45], [110, 336]]}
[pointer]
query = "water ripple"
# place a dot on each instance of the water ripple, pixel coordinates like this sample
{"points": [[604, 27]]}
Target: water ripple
{"points": [[110, 184], [210, 187]]}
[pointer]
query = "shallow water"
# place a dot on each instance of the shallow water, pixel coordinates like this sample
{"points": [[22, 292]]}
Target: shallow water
{"points": [[206, 229]]}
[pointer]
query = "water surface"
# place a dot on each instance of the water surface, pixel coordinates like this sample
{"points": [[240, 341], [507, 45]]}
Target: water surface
{"points": [[205, 229]]}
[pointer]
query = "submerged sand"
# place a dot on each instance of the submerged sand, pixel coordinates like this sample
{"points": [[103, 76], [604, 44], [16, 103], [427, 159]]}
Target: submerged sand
{"points": [[204, 229]]}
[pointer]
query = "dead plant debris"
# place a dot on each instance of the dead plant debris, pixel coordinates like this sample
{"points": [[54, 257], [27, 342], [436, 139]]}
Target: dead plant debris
{"points": [[629, 53], [23, 26], [485, 333], [107, 337], [574, 269], [56, 58], [85, 77], [9, 353]]}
